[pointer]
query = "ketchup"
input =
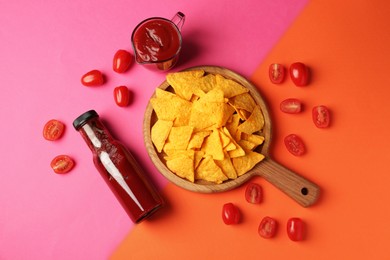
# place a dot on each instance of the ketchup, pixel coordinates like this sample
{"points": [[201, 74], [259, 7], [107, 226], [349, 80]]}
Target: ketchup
{"points": [[118, 168], [156, 40]]}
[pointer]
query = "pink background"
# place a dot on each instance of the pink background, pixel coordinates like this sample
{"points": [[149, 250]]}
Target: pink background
{"points": [[46, 46]]}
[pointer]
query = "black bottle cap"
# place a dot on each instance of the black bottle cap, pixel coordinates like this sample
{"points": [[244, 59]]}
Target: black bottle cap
{"points": [[83, 118]]}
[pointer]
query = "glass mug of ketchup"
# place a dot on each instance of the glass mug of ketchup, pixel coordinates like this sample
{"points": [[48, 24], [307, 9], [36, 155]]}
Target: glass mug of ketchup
{"points": [[157, 41]]}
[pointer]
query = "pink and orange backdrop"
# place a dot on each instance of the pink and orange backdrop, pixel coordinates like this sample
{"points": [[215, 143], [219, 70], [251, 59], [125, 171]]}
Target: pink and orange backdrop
{"points": [[47, 45]]}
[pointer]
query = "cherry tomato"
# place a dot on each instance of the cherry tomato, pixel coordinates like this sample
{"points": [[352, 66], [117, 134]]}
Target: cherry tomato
{"points": [[122, 61], [92, 78], [294, 145], [295, 229], [254, 193], [231, 215], [321, 116], [53, 130], [276, 73], [267, 227], [291, 106], [122, 96], [62, 164], [299, 74]]}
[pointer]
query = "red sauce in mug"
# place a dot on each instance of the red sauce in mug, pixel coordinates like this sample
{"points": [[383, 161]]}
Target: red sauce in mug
{"points": [[156, 40]]}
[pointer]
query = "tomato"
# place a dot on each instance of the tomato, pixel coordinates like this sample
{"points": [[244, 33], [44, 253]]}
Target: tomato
{"points": [[295, 229], [122, 61], [92, 78], [267, 227], [62, 164], [294, 145], [254, 193], [122, 96], [291, 106], [230, 214], [276, 73], [299, 74], [321, 116], [53, 130]]}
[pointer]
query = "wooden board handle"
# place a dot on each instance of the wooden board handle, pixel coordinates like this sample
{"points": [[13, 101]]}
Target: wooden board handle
{"points": [[295, 186]]}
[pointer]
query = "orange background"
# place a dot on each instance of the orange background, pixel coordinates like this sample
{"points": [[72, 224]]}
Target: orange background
{"points": [[346, 44]]}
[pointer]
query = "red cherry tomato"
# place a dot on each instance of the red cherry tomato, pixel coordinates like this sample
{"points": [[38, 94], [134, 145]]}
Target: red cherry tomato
{"points": [[294, 145], [295, 229], [253, 193], [291, 106], [267, 227], [276, 73], [62, 164], [231, 215], [299, 74], [122, 61], [92, 78], [53, 130], [122, 96], [321, 116]]}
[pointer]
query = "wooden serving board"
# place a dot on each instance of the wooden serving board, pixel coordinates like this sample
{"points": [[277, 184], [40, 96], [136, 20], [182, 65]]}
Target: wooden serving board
{"points": [[295, 186]]}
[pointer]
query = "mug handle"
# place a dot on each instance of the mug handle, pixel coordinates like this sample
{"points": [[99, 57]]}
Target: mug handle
{"points": [[178, 19]]}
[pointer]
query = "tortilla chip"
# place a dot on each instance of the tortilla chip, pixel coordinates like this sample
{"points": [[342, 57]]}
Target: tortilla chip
{"points": [[238, 151], [213, 146], [246, 145], [214, 95], [168, 106], [230, 87], [243, 101], [254, 123], [227, 167], [198, 157], [197, 139], [181, 82], [183, 165], [203, 85], [179, 137], [209, 171], [160, 132], [243, 164], [253, 138]]}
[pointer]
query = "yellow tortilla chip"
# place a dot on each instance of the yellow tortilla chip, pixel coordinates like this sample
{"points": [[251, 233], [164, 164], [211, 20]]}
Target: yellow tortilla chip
{"points": [[168, 106], [243, 101], [233, 124], [238, 151], [254, 123], [227, 167], [159, 133], [197, 139], [203, 85], [253, 138], [179, 137], [243, 164], [246, 145], [198, 157], [209, 171], [225, 140], [181, 82], [230, 87], [213, 146], [244, 115], [183, 165], [214, 95]]}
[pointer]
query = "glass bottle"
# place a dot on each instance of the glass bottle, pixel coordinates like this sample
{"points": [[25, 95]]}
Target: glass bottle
{"points": [[118, 168]]}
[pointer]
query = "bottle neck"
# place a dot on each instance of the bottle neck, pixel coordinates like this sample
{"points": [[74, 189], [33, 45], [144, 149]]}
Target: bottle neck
{"points": [[95, 134]]}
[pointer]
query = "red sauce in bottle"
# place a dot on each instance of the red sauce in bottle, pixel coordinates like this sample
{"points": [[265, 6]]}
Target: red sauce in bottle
{"points": [[118, 168], [156, 40]]}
